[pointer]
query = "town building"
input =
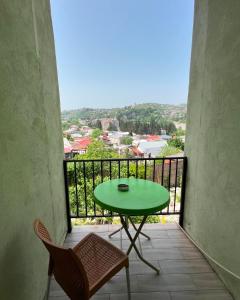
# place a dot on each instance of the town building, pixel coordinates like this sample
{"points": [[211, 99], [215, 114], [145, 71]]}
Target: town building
{"points": [[151, 149], [80, 145]]}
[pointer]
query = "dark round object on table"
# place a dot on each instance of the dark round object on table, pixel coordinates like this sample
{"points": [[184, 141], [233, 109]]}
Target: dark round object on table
{"points": [[123, 187]]}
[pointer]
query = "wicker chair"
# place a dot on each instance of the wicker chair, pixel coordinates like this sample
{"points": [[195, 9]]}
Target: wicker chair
{"points": [[82, 270]]}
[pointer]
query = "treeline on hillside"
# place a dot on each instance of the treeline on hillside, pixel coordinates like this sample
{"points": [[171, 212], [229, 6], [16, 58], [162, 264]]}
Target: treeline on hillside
{"points": [[145, 127], [166, 111], [90, 113], [148, 118], [144, 119]]}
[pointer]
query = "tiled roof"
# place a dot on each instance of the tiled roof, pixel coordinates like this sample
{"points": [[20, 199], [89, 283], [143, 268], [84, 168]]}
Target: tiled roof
{"points": [[81, 143], [152, 138]]}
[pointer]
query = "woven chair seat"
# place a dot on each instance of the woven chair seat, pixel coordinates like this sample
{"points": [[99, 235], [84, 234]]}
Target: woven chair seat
{"points": [[101, 260]]}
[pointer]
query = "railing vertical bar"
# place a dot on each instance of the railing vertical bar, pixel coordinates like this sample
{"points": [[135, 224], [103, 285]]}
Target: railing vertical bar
{"points": [[85, 188], [145, 169], [169, 174], [162, 179], [183, 189], [93, 185], [76, 189], [154, 169], [119, 169], [110, 169], [175, 190], [128, 168], [102, 181], [69, 224], [136, 169], [169, 178], [101, 171], [110, 175]]}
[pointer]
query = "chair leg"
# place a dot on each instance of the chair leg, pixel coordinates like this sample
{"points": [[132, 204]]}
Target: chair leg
{"points": [[128, 283]]}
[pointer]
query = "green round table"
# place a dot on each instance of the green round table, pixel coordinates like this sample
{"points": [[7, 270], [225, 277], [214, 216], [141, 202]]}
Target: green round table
{"points": [[143, 198]]}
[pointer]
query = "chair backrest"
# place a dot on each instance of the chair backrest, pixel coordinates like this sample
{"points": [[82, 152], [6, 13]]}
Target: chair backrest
{"points": [[65, 265]]}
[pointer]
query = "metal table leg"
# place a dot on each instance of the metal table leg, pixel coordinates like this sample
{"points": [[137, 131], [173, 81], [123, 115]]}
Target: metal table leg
{"points": [[114, 232], [134, 226], [133, 240]]}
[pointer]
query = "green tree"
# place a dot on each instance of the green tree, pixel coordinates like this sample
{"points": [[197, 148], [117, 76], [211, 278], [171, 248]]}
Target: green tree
{"points": [[126, 140], [177, 143], [98, 150], [179, 132], [169, 150], [96, 133]]}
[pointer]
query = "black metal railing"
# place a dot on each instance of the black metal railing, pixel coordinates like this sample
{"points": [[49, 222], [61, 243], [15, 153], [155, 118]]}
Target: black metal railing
{"points": [[82, 176]]}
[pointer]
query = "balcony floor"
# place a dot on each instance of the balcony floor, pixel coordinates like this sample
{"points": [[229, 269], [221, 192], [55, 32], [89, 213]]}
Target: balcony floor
{"points": [[184, 272]]}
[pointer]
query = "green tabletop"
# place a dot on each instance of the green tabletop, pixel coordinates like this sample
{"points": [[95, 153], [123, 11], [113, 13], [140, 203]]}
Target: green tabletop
{"points": [[144, 197]]}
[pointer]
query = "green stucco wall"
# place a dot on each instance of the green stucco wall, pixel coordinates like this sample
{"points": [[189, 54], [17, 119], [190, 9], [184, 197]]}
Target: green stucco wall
{"points": [[31, 173], [212, 214]]}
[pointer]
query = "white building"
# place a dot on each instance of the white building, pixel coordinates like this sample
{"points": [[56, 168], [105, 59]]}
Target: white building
{"points": [[151, 149]]}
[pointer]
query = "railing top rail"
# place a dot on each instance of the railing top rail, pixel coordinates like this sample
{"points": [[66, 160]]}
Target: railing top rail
{"points": [[126, 159]]}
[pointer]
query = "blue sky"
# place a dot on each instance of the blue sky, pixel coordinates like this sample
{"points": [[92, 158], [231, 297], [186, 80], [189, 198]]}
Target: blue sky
{"points": [[112, 53]]}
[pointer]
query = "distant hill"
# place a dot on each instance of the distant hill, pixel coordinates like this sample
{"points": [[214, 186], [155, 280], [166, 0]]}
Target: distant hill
{"points": [[146, 112]]}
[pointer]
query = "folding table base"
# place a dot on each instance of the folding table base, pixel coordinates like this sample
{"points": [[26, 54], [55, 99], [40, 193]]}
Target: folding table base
{"points": [[133, 239], [118, 230]]}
